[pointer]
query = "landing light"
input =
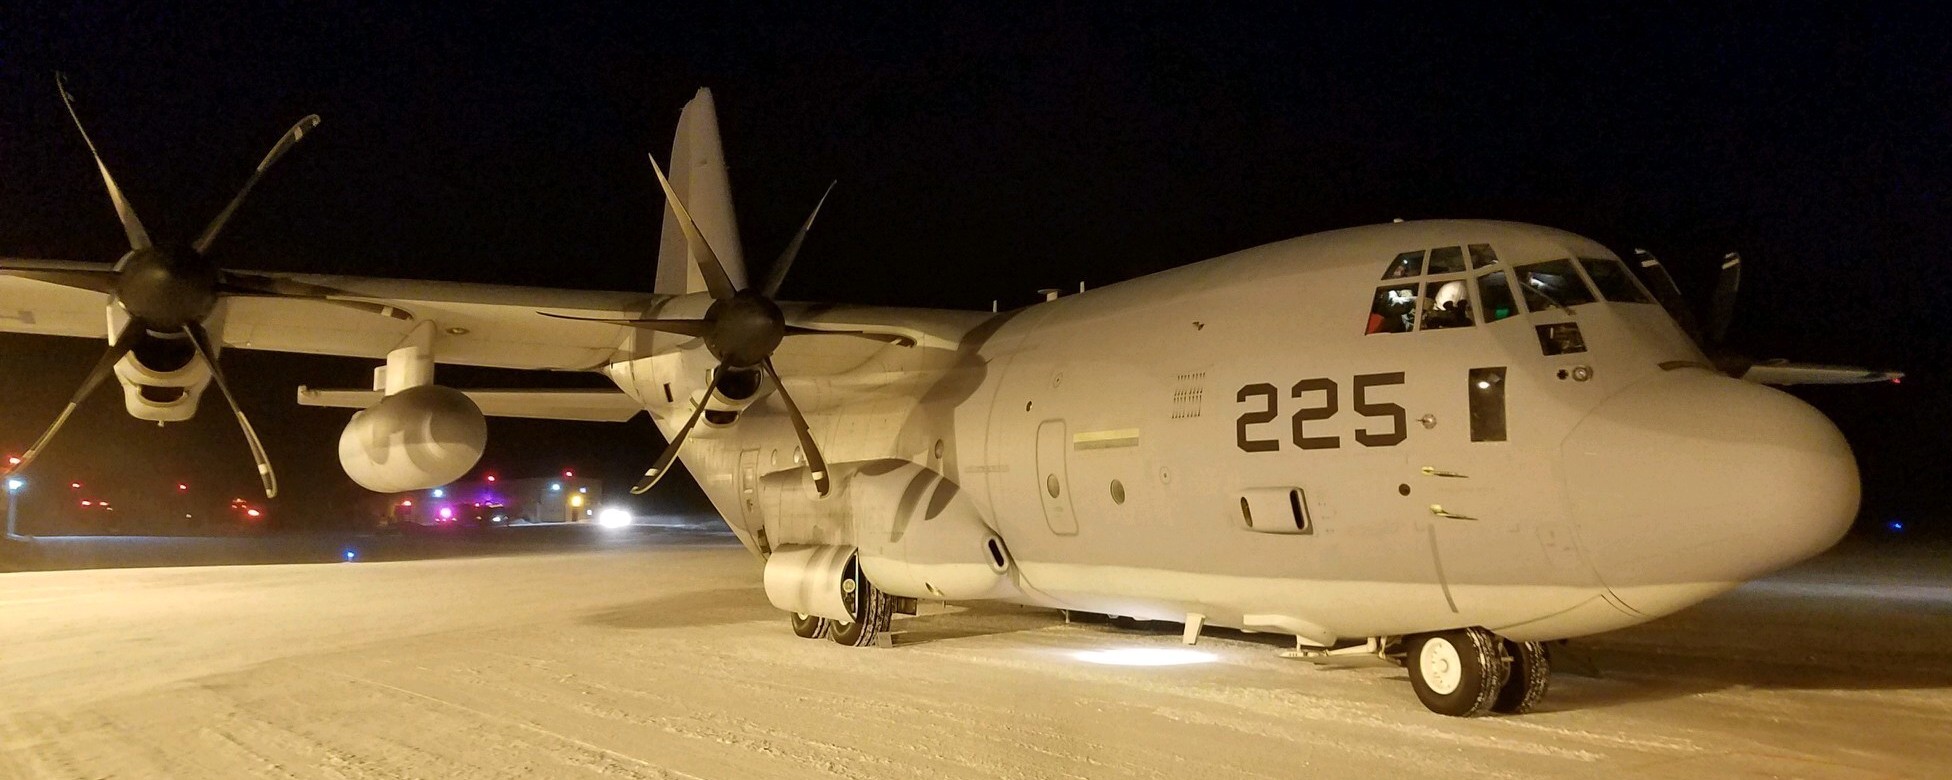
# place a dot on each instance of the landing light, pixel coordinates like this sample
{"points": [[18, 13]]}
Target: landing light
{"points": [[614, 517], [1145, 656]]}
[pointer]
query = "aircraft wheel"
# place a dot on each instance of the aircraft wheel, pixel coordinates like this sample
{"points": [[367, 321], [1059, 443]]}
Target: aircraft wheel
{"points": [[1531, 672], [1458, 673], [810, 626], [871, 609]]}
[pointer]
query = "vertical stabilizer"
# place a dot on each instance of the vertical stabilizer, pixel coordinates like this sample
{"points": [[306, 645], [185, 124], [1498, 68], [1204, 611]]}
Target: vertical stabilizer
{"points": [[698, 176]]}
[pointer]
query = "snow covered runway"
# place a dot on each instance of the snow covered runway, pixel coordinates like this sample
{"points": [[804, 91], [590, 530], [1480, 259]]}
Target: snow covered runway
{"points": [[666, 662]]}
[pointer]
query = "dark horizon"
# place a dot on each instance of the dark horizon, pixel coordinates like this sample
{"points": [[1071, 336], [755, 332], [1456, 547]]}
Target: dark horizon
{"points": [[981, 154]]}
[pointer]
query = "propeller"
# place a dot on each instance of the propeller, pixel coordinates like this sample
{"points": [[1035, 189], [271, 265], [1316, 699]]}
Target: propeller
{"points": [[168, 291], [1721, 311], [741, 330]]}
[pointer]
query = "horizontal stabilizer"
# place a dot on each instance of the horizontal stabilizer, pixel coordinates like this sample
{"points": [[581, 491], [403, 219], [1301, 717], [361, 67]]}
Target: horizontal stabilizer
{"points": [[571, 405], [1783, 372]]}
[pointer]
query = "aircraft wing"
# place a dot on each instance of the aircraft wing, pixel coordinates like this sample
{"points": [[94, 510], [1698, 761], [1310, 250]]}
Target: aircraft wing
{"points": [[480, 324]]}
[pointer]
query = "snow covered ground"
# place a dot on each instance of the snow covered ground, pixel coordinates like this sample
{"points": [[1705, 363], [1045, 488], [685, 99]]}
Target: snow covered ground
{"points": [[656, 661]]}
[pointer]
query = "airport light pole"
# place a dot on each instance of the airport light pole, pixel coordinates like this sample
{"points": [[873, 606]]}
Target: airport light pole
{"points": [[14, 486]]}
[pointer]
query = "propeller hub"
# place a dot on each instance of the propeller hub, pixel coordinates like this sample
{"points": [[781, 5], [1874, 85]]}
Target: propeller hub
{"points": [[167, 289], [746, 328]]}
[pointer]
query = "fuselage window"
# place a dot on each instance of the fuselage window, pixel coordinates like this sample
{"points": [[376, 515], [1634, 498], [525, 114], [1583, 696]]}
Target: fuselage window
{"points": [[1405, 266], [1481, 256], [1495, 291], [1446, 260], [1446, 304], [1487, 394], [1556, 282], [1613, 280], [1395, 309]]}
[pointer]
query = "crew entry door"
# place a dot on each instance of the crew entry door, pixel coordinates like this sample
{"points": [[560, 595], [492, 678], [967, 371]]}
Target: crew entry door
{"points": [[1053, 483]]}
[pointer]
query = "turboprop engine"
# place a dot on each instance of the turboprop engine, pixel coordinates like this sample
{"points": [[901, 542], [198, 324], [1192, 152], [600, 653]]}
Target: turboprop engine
{"points": [[418, 438]]}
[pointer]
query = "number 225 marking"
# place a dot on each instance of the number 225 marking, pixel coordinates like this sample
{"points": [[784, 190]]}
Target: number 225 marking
{"points": [[1326, 393]]}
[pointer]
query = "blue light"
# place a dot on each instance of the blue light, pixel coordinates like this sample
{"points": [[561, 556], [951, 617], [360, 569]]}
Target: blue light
{"points": [[556, 486], [440, 492], [350, 555], [1896, 526], [14, 484]]}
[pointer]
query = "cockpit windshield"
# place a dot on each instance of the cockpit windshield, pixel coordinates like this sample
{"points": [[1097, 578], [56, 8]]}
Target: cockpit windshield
{"points": [[1614, 281], [1552, 282]]}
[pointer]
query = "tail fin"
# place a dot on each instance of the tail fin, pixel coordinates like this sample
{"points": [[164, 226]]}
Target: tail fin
{"points": [[698, 176]]}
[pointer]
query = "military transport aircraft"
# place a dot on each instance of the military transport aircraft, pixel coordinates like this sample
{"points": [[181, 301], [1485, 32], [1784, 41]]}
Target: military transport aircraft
{"points": [[1440, 442]]}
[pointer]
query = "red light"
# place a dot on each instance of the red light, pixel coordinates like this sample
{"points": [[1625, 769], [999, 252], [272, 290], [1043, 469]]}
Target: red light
{"points": [[408, 502], [87, 503], [491, 477], [13, 460], [1897, 380], [74, 485], [251, 513], [182, 488], [569, 474]]}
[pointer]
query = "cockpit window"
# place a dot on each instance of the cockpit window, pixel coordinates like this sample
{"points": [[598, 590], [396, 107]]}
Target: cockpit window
{"points": [[1556, 282], [1447, 304], [1446, 260], [1405, 266], [1481, 256], [1495, 291], [1613, 280], [1395, 309]]}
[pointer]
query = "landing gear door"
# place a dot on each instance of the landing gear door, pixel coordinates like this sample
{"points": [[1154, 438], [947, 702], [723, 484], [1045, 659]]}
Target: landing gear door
{"points": [[1053, 483]]}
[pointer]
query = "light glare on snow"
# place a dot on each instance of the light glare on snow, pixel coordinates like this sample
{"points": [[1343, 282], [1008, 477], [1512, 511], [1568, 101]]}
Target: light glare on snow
{"points": [[1145, 656], [614, 517]]}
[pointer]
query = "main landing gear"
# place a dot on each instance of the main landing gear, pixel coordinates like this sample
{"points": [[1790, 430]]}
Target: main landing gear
{"points": [[1470, 672], [871, 612]]}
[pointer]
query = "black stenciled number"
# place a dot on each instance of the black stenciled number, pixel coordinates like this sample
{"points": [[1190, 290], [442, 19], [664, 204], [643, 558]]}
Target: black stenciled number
{"points": [[1323, 412], [1266, 391], [1398, 431]]}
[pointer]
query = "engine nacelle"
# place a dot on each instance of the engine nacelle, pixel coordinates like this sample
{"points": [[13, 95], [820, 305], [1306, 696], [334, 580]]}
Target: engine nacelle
{"points": [[162, 378], [917, 534], [418, 438]]}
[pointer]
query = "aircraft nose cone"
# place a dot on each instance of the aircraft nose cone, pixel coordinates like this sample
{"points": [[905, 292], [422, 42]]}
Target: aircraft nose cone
{"points": [[1690, 483]]}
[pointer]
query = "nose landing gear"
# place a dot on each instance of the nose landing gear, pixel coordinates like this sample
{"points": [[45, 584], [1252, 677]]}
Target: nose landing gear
{"points": [[1471, 672]]}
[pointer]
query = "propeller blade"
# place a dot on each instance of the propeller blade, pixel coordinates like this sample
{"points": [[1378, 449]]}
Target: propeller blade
{"points": [[816, 465], [237, 285], [891, 338], [101, 280], [716, 281], [138, 238], [1721, 308], [1669, 294], [785, 261], [290, 139], [694, 328], [670, 453], [123, 343], [201, 338]]}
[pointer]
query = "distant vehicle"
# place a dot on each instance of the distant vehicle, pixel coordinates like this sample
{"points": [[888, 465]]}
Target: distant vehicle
{"points": [[1441, 442]]}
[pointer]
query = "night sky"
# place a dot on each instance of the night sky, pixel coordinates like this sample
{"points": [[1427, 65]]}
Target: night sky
{"points": [[983, 151]]}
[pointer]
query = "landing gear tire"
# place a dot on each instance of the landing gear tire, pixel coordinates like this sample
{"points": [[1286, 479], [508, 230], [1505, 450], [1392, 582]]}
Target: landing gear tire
{"points": [[1531, 673], [1458, 673], [871, 610], [810, 626]]}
